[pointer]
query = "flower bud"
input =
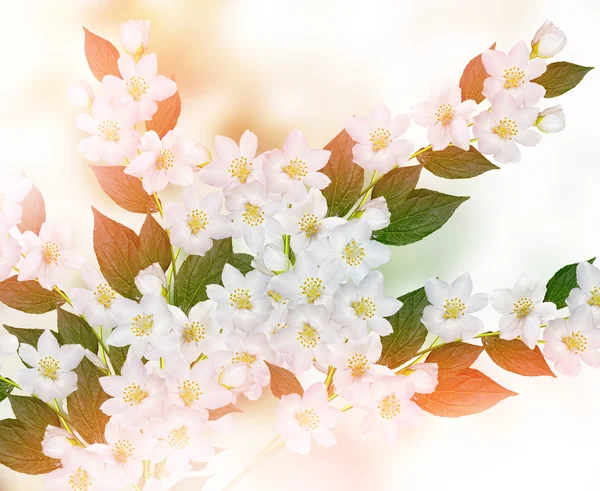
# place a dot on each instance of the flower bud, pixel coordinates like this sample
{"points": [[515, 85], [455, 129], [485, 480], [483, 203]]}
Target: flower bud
{"points": [[151, 280], [548, 41], [551, 120], [375, 213], [271, 260], [80, 94], [135, 35]]}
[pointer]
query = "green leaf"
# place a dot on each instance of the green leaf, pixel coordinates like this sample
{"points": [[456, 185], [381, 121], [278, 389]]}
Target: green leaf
{"points": [[155, 246], [5, 389], [117, 357], [73, 329], [456, 163], [419, 215], [34, 414], [27, 335], [347, 178], [471, 81], [560, 77], [453, 357], [397, 184], [515, 356], [561, 284], [198, 271], [28, 296], [21, 449], [242, 262], [409, 333], [84, 404]]}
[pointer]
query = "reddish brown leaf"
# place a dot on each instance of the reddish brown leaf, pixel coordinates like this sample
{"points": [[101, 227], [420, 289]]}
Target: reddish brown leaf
{"points": [[454, 357], [28, 296], [214, 414], [155, 246], [125, 190], [34, 212], [471, 82], [101, 56], [117, 250], [466, 392], [283, 382], [516, 357], [165, 118]]}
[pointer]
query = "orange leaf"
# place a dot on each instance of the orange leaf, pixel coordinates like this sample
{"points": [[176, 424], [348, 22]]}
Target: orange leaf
{"points": [[28, 296], [214, 414], [283, 382], [471, 82], [34, 212], [155, 246], [515, 356], [101, 56], [453, 357], [166, 116]]}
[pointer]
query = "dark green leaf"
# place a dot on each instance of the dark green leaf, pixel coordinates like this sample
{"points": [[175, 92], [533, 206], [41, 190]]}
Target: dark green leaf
{"points": [[21, 449], [397, 184], [5, 389], [28, 296], [117, 357], [456, 163], [560, 77], [561, 284], [242, 262], [155, 246], [73, 329], [34, 414], [27, 335], [515, 356]]}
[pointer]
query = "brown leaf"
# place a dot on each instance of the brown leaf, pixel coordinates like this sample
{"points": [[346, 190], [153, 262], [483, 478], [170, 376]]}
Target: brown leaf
{"points": [[515, 356], [165, 118], [125, 190], [466, 392], [471, 82], [454, 357], [456, 163], [214, 414], [283, 382], [155, 246], [101, 56], [34, 212], [28, 296]]}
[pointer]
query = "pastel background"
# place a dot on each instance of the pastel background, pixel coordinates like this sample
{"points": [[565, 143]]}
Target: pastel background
{"points": [[275, 66]]}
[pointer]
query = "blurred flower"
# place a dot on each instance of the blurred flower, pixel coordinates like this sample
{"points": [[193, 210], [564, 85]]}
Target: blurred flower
{"points": [[548, 41], [13, 190], [10, 255], [81, 469], [8, 344], [80, 94]]}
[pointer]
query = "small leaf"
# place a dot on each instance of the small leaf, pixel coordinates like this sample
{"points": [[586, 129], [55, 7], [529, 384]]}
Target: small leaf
{"points": [[117, 250], [466, 392], [34, 212], [419, 215], [284, 382], [198, 271], [84, 404], [561, 284], [471, 82], [28, 296], [5, 389], [214, 414], [155, 246], [456, 163], [33, 414], [347, 178], [560, 77], [101, 56], [243, 262], [454, 357], [117, 357], [73, 329], [397, 184], [166, 116], [515, 356], [28, 335], [124, 190], [409, 333]]}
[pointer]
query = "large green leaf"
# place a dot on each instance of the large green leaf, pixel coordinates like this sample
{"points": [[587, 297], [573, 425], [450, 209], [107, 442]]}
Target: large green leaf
{"points": [[560, 77], [27, 335], [34, 414], [456, 163], [73, 329], [117, 357], [397, 184], [28, 296], [5, 389], [561, 284], [243, 262]]}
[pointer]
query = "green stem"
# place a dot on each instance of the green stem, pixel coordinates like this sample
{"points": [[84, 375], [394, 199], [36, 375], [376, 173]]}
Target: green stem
{"points": [[159, 205], [63, 417], [10, 382], [63, 295]]}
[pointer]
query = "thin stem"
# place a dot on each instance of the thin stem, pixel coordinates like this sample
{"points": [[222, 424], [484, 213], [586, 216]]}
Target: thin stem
{"points": [[10, 382], [159, 205], [63, 295], [146, 464], [262, 456], [287, 249], [63, 417], [329, 378], [346, 408]]}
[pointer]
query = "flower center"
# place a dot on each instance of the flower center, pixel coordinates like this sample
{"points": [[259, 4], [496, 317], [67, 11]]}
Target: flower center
{"points": [[444, 114], [194, 332], [179, 439], [312, 288], [165, 159], [309, 224], [506, 128], [455, 307], [389, 407], [246, 358], [253, 215], [109, 130], [358, 365], [380, 138], [137, 87], [513, 77], [48, 367], [142, 324], [189, 392], [523, 307], [308, 337], [308, 419], [80, 480], [122, 451], [277, 297], [241, 168], [576, 342], [50, 253], [296, 169], [240, 299], [105, 295], [353, 253], [594, 300], [197, 220], [133, 394], [365, 308]]}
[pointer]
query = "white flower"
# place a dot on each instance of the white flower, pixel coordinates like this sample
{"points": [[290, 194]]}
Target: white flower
{"points": [[96, 302], [513, 74], [449, 315], [81, 469], [8, 344], [80, 94], [375, 213], [194, 226], [56, 442], [588, 293], [570, 343], [135, 35], [446, 117], [10, 255], [197, 333], [290, 170], [242, 300], [144, 325], [500, 130], [523, 310], [271, 260], [548, 41], [301, 418], [378, 145], [13, 191], [363, 307], [422, 376], [51, 376], [151, 280], [551, 120]]}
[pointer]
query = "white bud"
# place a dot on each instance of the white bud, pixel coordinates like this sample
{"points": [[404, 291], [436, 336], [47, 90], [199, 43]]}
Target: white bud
{"points": [[376, 213], [548, 41], [270, 260], [424, 377], [551, 120], [56, 442], [151, 280], [80, 94], [135, 35]]}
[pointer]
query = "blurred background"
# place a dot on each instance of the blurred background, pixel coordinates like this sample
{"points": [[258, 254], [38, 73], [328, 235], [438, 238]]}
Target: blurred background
{"points": [[275, 66]]}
